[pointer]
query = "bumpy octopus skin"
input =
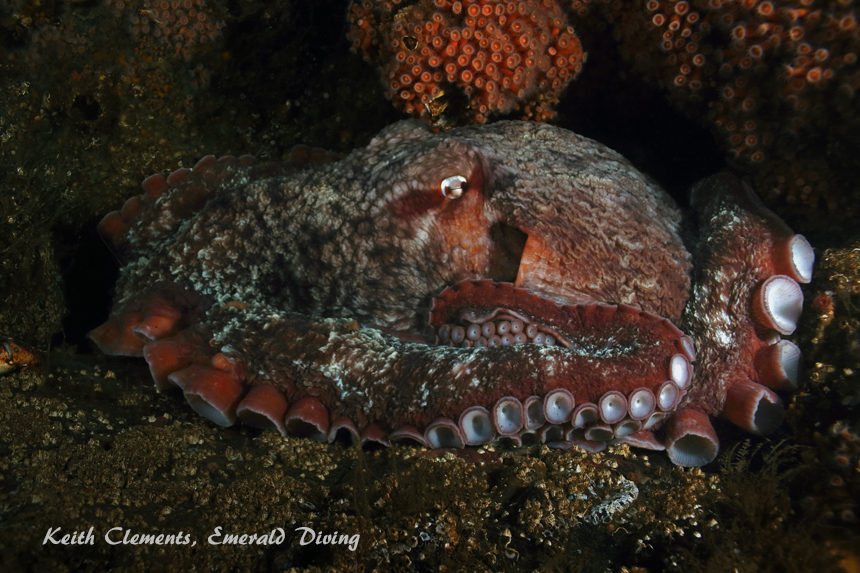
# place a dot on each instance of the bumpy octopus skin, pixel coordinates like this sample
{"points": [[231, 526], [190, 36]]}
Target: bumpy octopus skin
{"points": [[513, 282]]}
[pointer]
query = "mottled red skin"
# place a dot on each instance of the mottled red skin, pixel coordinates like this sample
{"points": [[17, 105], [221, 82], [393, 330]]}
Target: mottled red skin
{"points": [[318, 279], [740, 230], [633, 334]]}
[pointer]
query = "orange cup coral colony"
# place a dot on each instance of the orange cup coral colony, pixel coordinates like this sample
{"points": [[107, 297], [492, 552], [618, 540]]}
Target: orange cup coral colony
{"points": [[501, 55]]}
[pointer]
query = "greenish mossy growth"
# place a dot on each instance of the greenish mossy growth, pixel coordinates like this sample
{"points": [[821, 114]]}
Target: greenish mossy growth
{"points": [[753, 524]]}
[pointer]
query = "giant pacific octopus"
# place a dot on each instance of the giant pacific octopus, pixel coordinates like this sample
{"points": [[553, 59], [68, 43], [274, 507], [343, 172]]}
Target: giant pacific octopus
{"points": [[513, 283]]}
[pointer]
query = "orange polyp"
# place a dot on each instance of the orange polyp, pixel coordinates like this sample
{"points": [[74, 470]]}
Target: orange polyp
{"points": [[537, 29]]}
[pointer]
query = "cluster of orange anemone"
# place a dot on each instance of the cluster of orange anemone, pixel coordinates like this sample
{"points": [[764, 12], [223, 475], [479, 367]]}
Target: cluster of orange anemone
{"points": [[768, 75], [503, 55], [180, 24]]}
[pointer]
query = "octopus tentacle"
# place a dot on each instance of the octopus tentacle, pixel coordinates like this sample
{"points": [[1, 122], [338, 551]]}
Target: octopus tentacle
{"points": [[477, 426], [162, 311], [212, 393], [691, 439], [406, 434], [265, 407], [753, 407], [373, 434], [308, 417], [745, 295], [779, 365], [166, 202], [343, 428], [168, 355], [644, 439], [777, 303], [614, 372]]}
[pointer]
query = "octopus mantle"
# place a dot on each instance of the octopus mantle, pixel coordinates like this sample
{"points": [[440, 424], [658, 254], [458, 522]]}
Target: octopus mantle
{"points": [[513, 282]]}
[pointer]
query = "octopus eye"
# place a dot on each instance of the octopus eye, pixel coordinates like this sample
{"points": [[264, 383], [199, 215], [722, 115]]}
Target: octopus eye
{"points": [[453, 187]]}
